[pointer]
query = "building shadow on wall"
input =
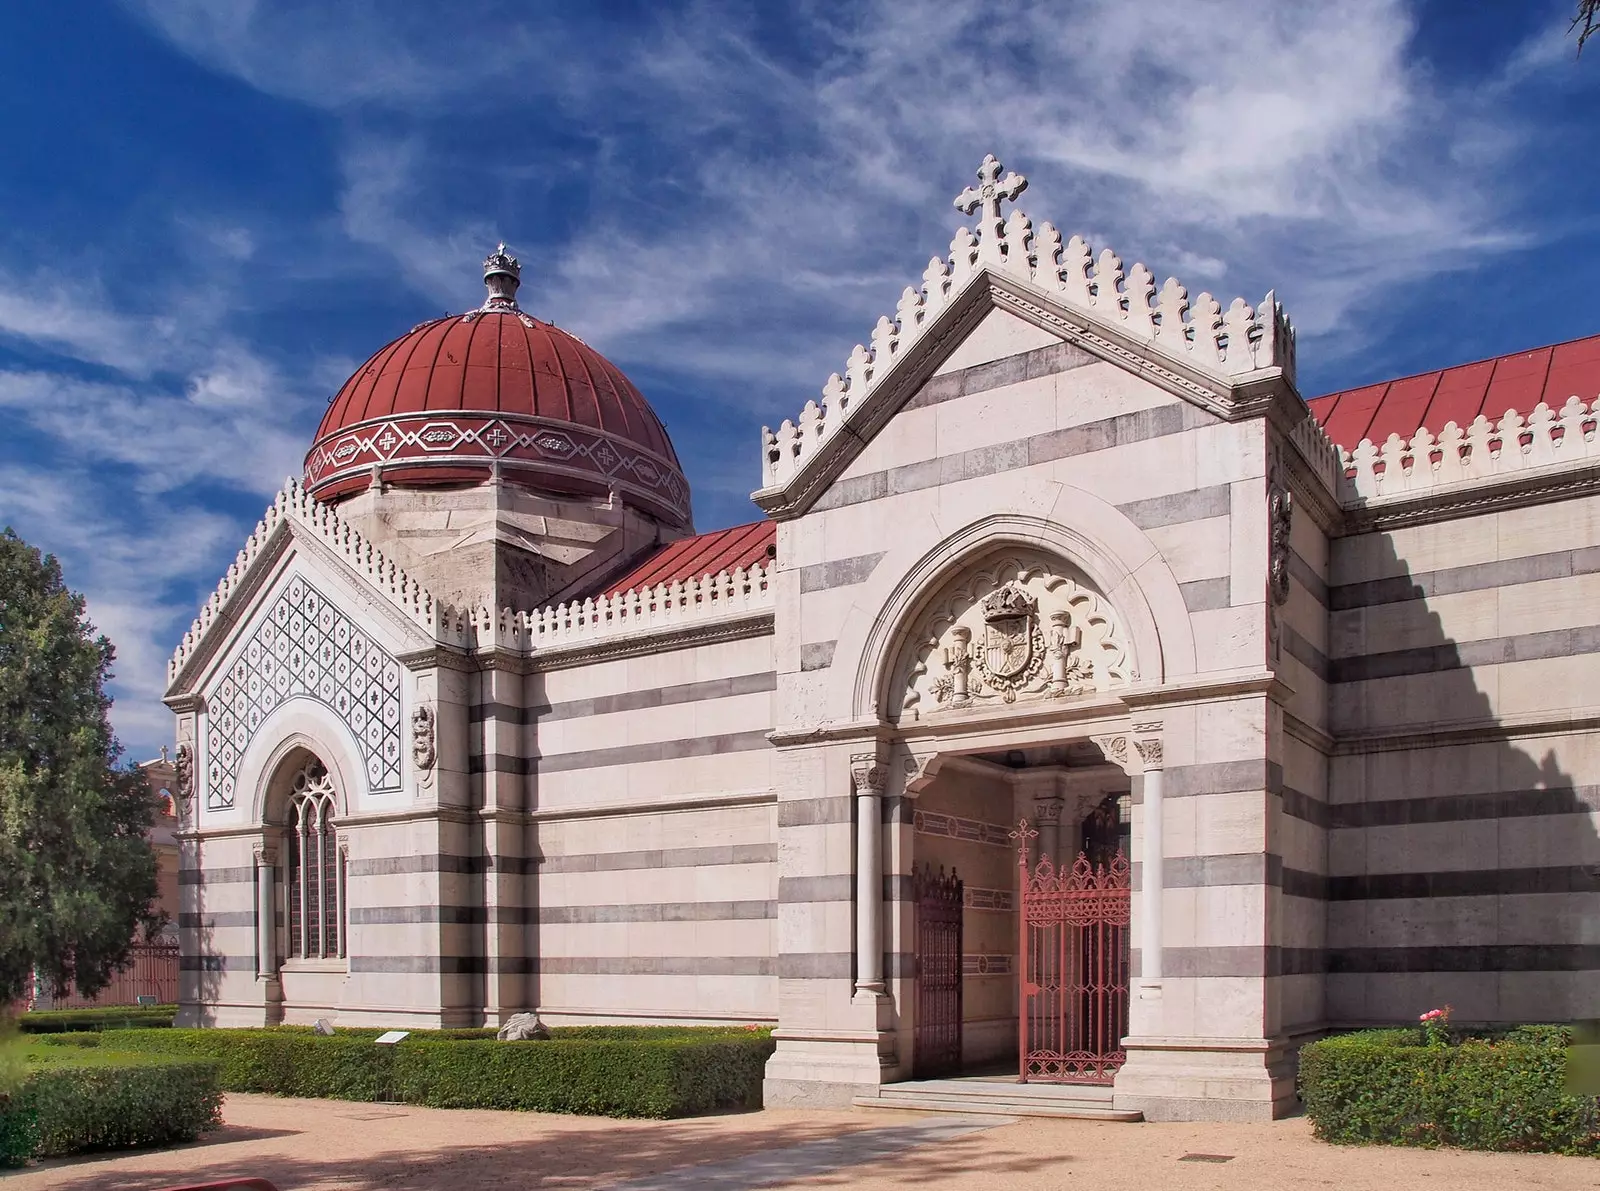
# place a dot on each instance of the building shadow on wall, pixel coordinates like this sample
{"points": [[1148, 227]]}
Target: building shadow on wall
{"points": [[1463, 858]]}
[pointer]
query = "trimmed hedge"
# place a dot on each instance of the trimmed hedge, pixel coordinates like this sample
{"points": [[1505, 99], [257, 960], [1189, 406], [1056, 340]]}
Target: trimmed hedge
{"points": [[1502, 1093], [74, 1100], [58, 1021], [604, 1071]]}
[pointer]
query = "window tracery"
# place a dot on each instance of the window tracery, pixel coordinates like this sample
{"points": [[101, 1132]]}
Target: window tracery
{"points": [[315, 885]]}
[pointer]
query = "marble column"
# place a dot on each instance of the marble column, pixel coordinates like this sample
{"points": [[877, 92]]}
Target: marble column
{"points": [[266, 915], [1152, 857], [868, 776]]}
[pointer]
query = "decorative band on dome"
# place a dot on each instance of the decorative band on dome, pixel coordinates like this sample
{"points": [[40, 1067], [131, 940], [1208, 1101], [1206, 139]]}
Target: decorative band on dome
{"points": [[577, 458]]}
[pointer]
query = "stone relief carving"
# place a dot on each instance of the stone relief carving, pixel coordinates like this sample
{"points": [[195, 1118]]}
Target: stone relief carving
{"points": [[422, 746], [1280, 519], [183, 770], [1012, 628]]}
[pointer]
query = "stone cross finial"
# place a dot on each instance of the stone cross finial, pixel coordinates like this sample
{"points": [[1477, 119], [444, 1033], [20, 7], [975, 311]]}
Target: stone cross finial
{"points": [[990, 191]]}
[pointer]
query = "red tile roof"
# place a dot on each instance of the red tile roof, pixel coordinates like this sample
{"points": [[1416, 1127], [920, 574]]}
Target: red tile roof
{"points": [[1459, 394], [703, 554]]}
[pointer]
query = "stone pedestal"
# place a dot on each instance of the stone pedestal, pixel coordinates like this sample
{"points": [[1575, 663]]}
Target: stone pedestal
{"points": [[1206, 1079]]}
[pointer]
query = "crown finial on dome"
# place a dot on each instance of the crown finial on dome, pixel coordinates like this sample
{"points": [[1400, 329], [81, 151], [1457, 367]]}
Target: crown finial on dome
{"points": [[501, 275]]}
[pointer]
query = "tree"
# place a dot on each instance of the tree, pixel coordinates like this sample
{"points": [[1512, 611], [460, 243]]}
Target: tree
{"points": [[1586, 20], [77, 875]]}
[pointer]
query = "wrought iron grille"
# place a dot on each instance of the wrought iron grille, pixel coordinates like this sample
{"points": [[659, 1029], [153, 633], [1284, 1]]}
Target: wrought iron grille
{"points": [[937, 1043], [1074, 952]]}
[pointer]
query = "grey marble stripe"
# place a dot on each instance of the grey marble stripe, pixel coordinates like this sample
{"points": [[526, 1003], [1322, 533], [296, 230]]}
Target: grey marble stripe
{"points": [[792, 890], [216, 963], [1458, 808], [1138, 426], [663, 750], [1204, 595], [1531, 568], [657, 965], [661, 696], [733, 911], [1536, 957], [1486, 882], [653, 858], [1307, 654], [897, 887], [1302, 573], [814, 965], [839, 572], [1219, 777], [1299, 805], [442, 915], [1241, 868], [816, 655], [216, 920], [437, 862], [1458, 655], [243, 875], [1176, 508], [896, 808], [441, 965], [814, 812], [981, 378]]}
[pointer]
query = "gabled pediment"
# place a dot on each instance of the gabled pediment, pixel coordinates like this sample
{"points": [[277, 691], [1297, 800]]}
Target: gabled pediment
{"points": [[1230, 362], [298, 522]]}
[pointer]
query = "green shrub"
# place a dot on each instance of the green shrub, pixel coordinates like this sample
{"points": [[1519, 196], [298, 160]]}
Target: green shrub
{"points": [[626, 1071], [130, 1017], [1505, 1093], [72, 1100]]}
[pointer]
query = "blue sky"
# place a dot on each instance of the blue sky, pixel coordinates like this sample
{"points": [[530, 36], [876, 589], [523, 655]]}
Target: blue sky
{"points": [[211, 212]]}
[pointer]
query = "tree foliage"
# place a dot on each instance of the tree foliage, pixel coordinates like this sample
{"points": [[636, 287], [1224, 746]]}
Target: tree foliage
{"points": [[77, 876], [1586, 21]]}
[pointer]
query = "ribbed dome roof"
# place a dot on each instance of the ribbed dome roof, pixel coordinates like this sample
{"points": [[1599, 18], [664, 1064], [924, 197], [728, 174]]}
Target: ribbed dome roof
{"points": [[448, 401]]}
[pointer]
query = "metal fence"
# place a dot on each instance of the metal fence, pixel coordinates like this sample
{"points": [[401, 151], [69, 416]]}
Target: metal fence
{"points": [[152, 971]]}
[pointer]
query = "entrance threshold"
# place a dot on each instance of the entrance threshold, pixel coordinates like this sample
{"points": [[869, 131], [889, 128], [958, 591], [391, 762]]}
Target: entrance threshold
{"points": [[999, 1095]]}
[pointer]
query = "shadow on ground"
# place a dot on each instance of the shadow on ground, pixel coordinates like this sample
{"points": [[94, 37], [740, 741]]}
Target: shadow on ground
{"points": [[635, 1154]]}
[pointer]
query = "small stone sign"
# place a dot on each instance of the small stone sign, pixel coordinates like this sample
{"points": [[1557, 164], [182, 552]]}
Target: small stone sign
{"points": [[392, 1037]]}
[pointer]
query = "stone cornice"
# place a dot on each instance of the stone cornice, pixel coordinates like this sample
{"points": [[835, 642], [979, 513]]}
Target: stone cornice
{"points": [[1493, 494], [686, 636]]}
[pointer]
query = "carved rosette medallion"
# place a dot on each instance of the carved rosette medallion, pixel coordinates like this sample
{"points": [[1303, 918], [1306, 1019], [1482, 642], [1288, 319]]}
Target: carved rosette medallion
{"points": [[1021, 626]]}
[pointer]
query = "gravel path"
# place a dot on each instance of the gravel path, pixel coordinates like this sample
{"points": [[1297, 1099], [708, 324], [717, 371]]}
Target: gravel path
{"points": [[320, 1145]]}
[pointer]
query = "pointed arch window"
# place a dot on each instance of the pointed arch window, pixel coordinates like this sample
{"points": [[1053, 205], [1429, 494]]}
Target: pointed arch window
{"points": [[315, 863]]}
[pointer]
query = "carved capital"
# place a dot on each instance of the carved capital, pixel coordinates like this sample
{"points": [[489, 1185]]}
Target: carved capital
{"points": [[266, 855], [1149, 751], [867, 774], [1047, 811], [1115, 749], [920, 769]]}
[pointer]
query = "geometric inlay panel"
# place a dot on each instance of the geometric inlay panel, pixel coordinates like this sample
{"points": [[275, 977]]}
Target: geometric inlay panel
{"points": [[306, 647]]}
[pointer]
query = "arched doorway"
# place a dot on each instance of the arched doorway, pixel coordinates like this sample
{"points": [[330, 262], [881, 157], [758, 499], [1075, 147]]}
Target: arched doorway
{"points": [[984, 980]]}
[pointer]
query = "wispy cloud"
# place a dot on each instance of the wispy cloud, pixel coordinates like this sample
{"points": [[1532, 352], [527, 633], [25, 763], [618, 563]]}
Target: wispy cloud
{"points": [[724, 198]]}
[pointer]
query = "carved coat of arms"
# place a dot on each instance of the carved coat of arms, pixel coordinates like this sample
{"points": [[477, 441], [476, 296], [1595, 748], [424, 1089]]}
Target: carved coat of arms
{"points": [[1009, 620]]}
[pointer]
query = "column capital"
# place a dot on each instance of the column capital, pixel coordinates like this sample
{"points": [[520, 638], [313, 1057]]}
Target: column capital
{"points": [[1147, 740], [266, 855], [868, 774]]}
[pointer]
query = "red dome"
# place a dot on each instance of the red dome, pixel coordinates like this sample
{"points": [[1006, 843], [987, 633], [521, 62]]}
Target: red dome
{"points": [[447, 402]]}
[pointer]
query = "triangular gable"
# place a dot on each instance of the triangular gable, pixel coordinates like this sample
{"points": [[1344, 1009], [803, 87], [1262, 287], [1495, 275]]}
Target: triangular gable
{"points": [[298, 519], [1232, 363]]}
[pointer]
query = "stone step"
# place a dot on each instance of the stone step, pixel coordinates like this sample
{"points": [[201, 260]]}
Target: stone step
{"points": [[999, 1100]]}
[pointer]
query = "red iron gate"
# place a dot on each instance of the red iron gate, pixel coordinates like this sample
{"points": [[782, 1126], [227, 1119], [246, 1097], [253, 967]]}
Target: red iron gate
{"points": [[937, 1042], [1074, 979]]}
